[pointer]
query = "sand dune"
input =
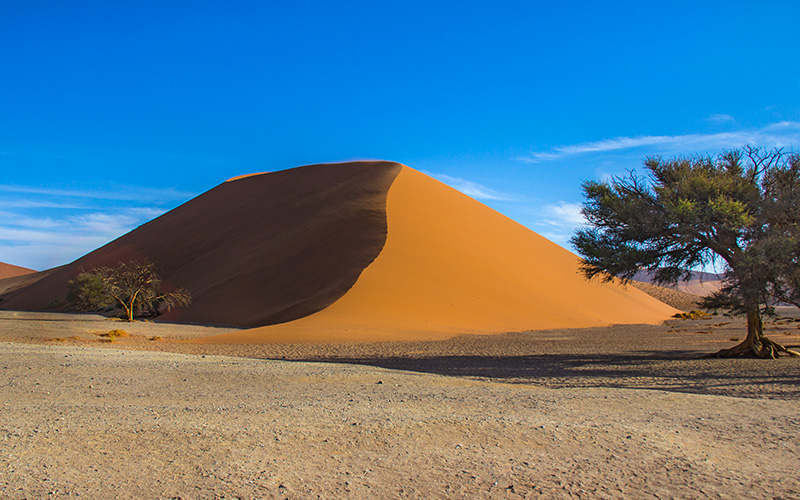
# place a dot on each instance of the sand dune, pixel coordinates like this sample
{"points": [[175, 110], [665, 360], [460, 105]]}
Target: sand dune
{"points": [[11, 271], [306, 250], [451, 265]]}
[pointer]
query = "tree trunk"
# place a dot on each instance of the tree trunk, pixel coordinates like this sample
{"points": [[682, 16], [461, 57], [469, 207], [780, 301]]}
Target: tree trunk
{"points": [[129, 309], [755, 327], [756, 344]]}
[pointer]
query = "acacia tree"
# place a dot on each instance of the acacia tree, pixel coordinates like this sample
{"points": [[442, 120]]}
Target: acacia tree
{"points": [[133, 286], [740, 209]]}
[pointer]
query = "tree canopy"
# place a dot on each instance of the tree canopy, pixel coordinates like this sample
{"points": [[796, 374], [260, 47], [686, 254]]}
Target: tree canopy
{"points": [[133, 286], [739, 209]]}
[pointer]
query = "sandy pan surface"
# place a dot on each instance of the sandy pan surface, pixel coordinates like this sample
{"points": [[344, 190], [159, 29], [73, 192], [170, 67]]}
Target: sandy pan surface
{"points": [[91, 420]]}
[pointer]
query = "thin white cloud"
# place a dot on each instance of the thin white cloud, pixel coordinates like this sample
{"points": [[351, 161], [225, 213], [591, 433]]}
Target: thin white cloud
{"points": [[781, 134], [720, 118], [41, 255], [6, 204], [564, 214], [18, 220], [93, 225], [473, 189], [558, 222], [105, 193], [45, 241], [43, 227], [103, 223]]}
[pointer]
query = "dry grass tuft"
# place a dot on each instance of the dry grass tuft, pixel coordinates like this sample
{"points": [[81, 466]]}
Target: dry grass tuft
{"points": [[112, 335], [694, 314]]}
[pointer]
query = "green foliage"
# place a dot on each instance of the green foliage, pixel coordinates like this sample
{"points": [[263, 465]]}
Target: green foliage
{"points": [[739, 210], [86, 293], [134, 286]]}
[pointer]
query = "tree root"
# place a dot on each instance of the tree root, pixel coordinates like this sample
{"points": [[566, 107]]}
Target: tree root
{"points": [[763, 348]]}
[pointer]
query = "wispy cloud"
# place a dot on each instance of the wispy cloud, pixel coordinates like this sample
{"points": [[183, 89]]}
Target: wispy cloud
{"points": [[44, 227], [12, 219], [720, 118], [108, 193], [473, 189], [25, 204], [781, 134], [563, 214], [558, 221], [40, 243], [98, 224]]}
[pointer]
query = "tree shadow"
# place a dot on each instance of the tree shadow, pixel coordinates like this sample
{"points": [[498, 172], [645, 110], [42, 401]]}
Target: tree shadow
{"points": [[680, 371]]}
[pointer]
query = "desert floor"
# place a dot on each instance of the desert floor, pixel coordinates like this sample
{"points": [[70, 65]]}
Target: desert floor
{"points": [[617, 412]]}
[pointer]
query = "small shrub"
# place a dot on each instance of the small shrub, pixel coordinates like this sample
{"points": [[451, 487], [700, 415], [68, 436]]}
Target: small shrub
{"points": [[695, 314], [116, 333]]}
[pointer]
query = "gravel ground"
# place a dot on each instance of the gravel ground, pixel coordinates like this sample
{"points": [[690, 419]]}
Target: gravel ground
{"points": [[621, 412]]}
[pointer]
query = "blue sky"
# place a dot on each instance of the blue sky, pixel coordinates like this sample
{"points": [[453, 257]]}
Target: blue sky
{"points": [[114, 112]]}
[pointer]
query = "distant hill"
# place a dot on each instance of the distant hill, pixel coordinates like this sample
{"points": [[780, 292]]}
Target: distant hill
{"points": [[700, 283], [676, 298]]}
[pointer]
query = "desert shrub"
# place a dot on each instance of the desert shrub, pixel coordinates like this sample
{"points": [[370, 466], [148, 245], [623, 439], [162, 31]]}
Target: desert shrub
{"points": [[695, 314], [135, 287], [87, 293]]}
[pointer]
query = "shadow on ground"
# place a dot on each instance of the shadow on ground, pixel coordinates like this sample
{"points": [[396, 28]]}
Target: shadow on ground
{"points": [[679, 371]]}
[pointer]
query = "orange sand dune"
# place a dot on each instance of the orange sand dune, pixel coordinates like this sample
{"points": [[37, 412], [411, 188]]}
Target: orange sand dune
{"points": [[451, 265], [11, 271]]}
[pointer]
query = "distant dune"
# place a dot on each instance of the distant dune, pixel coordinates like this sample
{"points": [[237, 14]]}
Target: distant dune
{"points": [[699, 283], [11, 271], [676, 298], [357, 251]]}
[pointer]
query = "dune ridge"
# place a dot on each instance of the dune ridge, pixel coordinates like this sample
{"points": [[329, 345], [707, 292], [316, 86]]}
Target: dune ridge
{"points": [[451, 265]]}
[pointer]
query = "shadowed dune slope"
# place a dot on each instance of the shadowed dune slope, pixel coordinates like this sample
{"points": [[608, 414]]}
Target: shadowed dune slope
{"points": [[451, 265], [11, 271], [256, 250]]}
